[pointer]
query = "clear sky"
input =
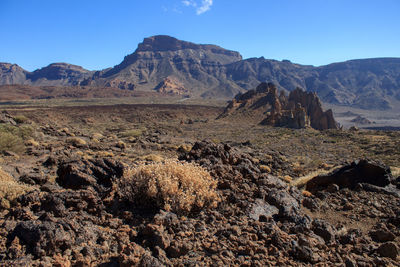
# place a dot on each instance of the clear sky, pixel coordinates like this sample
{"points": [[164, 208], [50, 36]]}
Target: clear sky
{"points": [[97, 34]]}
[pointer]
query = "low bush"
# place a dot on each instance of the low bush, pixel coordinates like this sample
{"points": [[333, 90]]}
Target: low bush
{"points": [[21, 119], [132, 133], [10, 189], [12, 137], [175, 186]]}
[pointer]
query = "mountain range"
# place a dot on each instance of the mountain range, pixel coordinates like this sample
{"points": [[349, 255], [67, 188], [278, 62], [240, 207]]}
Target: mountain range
{"points": [[210, 71]]}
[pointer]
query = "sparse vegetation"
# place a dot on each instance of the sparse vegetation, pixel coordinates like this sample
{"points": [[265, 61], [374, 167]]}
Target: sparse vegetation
{"points": [[76, 141], [132, 133], [171, 185], [12, 137], [20, 119], [10, 189]]}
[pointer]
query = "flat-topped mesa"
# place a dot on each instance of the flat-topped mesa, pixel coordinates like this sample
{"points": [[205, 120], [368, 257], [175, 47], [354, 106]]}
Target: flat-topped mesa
{"points": [[168, 43], [300, 110]]}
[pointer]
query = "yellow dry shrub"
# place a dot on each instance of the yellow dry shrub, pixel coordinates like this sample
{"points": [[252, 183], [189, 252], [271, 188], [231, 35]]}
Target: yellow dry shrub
{"points": [[76, 141], [10, 189], [171, 185]]}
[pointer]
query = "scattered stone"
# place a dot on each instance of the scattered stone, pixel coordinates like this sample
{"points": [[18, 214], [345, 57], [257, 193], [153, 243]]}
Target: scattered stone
{"points": [[324, 230]]}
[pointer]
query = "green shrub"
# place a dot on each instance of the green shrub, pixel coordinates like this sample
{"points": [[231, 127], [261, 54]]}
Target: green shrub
{"points": [[20, 119], [12, 137]]}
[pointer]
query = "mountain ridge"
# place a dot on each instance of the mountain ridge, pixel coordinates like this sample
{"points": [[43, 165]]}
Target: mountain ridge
{"points": [[206, 71]]}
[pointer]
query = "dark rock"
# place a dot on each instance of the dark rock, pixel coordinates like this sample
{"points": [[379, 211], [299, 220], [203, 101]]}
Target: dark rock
{"points": [[311, 204], [80, 174], [150, 261], [154, 235], [349, 176], [382, 235], [388, 250], [288, 206], [324, 230], [332, 188], [44, 238], [349, 262]]}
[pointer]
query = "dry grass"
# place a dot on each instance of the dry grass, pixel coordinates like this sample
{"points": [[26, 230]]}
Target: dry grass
{"points": [[132, 133], [395, 171], [12, 137], [171, 185], [301, 181], [10, 189], [76, 141], [152, 157], [20, 119]]}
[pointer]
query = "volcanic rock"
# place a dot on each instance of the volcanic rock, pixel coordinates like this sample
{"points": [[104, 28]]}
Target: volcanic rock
{"points": [[120, 85], [5, 117], [361, 120], [170, 86], [299, 110], [349, 176], [12, 74]]}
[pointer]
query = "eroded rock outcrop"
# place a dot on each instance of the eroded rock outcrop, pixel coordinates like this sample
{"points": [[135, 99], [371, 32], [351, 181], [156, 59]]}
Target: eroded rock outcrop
{"points": [[170, 86], [299, 110]]}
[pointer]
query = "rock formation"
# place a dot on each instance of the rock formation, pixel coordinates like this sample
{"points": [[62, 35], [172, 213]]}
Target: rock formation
{"points": [[170, 86], [299, 110], [120, 84], [361, 120]]}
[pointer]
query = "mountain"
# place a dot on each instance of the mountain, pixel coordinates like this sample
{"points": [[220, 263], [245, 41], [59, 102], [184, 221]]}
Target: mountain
{"points": [[12, 74], [364, 83], [210, 71], [199, 68], [58, 74]]}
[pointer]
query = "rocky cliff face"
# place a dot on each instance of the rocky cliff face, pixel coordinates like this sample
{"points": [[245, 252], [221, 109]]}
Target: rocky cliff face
{"points": [[12, 74], [210, 71], [299, 110], [198, 68]]}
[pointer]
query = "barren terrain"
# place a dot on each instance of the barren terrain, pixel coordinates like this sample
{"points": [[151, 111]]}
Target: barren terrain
{"points": [[66, 164]]}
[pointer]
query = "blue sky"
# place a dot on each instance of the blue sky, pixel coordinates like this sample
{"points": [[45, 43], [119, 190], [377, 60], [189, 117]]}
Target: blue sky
{"points": [[98, 34]]}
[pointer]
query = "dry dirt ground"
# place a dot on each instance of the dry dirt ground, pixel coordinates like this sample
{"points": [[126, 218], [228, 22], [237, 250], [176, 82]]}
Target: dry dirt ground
{"points": [[142, 133]]}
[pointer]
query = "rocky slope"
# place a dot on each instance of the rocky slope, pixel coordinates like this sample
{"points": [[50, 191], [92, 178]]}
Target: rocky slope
{"points": [[299, 110], [211, 71], [198, 68], [82, 219], [58, 74], [12, 74]]}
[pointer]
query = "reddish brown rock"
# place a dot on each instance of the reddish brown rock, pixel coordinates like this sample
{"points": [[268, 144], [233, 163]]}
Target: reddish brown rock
{"points": [[124, 85], [300, 110], [170, 86]]}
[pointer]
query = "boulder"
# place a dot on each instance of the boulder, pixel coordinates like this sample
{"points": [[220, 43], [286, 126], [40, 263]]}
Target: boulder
{"points": [[360, 171]]}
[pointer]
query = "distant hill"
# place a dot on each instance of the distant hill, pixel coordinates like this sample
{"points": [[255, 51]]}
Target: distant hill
{"points": [[212, 71]]}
